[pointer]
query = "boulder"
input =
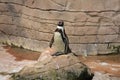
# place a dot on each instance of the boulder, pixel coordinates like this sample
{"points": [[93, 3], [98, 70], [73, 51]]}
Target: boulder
{"points": [[63, 67]]}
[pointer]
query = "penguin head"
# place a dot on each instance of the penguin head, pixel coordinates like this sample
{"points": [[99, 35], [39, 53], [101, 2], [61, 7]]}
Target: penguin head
{"points": [[60, 25]]}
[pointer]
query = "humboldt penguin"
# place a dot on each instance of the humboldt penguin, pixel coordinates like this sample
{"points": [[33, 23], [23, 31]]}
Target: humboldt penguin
{"points": [[60, 40]]}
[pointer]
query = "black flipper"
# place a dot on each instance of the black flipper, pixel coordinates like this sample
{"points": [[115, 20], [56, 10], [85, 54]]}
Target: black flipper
{"points": [[51, 42]]}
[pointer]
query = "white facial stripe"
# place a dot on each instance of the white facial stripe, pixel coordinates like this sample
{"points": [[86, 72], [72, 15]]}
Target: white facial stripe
{"points": [[60, 27]]}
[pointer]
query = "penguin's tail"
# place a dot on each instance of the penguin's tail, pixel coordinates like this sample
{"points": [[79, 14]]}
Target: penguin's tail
{"points": [[69, 50], [74, 54]]}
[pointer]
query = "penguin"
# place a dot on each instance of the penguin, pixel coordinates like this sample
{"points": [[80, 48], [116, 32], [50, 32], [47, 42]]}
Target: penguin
{"points": [[60, 41]]}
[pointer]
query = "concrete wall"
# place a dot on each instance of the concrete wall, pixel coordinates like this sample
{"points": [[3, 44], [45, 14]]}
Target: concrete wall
{"points": [[91, 25]]}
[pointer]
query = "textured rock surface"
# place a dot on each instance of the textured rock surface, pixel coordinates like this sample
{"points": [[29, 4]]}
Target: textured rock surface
{"points": [[64, 67], [91, 25], [13, 59], [100, 76]]}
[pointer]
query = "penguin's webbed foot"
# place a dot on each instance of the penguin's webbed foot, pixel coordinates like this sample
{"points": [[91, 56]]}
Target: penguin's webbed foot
{"points": [[57, 54]]}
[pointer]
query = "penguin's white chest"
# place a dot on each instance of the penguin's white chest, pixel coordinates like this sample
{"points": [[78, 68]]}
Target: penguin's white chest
{"points": [[58, 44]]}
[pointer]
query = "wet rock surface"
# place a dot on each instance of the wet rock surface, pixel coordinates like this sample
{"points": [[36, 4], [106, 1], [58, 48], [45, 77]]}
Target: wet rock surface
{"points": [[105, 67], [13, 60], [106, 64]]}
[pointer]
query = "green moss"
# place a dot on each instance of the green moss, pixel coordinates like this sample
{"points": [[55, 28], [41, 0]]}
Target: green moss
{"points": [[114, 48], [51, 75], [70, 76], [12, 45]]}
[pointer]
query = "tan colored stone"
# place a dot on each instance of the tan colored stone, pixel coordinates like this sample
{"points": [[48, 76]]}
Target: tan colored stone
{"points": [[68, 16], [116, 19], [84, 49], [93, 19], [85, 30], [74, 39], [106, 22], [3, 7], [5, 19], [79, 31], [90, 5], [103, 49], [106, 38], [69, 30], [85, 5], [107, 14], [3, 38], [38, 26], [27, 43], [111, 5], [108, 30], [76, 49], [37, 35], [88, 39], [42, 4], [8, 29], [32, 23], [14, 1]]}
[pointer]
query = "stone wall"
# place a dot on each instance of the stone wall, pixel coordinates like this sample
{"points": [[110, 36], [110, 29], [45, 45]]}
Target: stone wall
{"points": [[91, 25]]}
